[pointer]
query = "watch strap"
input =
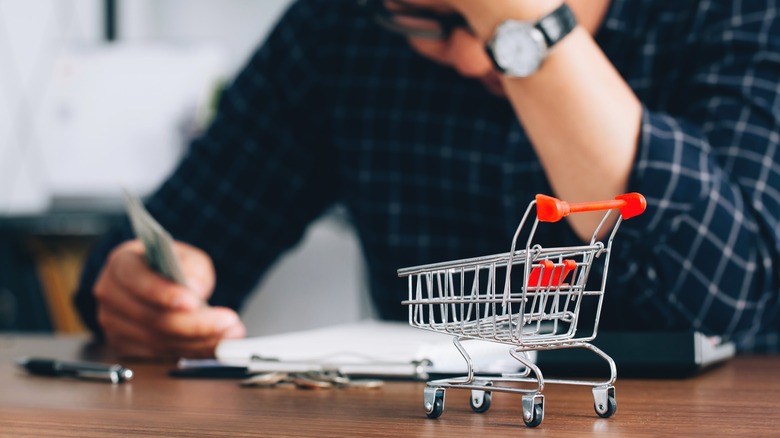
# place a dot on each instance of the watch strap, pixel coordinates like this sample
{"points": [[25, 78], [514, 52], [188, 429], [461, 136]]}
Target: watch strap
{"points": [[557, 24]]}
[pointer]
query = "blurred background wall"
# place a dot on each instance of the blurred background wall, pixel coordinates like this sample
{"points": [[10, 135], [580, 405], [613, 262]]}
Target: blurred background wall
{"points": [[96, 94]]}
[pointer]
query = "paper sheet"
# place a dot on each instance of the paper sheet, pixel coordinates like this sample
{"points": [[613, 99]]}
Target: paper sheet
{"points": [[375, 347]]}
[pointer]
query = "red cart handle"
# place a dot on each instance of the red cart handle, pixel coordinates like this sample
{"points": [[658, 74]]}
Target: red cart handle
{"points": [[549, 209]]}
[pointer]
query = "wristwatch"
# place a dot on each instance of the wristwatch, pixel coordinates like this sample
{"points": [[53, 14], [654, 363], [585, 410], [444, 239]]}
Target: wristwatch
{"points": [[518, 48]]}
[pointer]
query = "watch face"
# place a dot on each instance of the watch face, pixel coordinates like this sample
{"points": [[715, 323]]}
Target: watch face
{"points": [[518, 48]]}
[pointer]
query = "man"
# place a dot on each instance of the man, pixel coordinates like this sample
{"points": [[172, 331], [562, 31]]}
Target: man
{"points": [[435, 145]]}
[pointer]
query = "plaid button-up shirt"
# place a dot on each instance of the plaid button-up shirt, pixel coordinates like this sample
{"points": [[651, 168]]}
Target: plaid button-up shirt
{"points": [[333, 109]]}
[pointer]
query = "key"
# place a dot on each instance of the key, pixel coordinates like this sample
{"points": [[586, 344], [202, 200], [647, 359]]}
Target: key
{"points": [[266, 379], [308, 381], [345, 382], [365, 383], [331, 377]]}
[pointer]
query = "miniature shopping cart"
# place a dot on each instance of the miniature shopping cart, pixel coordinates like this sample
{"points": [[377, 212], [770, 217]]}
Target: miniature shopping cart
{"points": [[529, 299]]}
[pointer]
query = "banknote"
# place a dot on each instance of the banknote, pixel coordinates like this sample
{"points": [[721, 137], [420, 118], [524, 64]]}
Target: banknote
{"points": [[158, 243]]}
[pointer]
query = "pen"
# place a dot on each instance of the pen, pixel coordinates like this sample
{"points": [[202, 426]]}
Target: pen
{"points": [[113, 373]]}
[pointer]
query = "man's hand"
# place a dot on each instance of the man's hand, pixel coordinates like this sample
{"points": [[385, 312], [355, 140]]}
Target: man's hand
{"points": [[483, 16], [464, 50], [144, 315], [581, 116]]}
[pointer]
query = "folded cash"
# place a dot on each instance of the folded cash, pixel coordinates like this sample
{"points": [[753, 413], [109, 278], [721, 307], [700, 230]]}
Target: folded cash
{"points": [[158, 244]]}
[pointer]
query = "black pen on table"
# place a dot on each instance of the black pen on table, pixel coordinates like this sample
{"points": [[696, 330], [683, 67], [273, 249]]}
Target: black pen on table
{"points": [[113, 373]]}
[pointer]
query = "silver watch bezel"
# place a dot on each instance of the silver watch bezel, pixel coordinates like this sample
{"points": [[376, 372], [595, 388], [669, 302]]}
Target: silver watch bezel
{"points": [[505, 34]]}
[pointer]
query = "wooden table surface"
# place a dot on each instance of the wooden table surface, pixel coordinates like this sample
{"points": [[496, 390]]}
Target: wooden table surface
{"points": [[741, 397]]}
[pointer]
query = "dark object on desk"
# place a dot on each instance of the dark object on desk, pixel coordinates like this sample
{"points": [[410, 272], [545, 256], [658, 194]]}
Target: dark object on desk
{"points": [[226, 372], [113, 373], [209, 369], [640, 354]]}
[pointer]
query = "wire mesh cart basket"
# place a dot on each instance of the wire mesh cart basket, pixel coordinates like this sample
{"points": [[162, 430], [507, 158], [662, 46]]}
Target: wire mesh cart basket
{"points": [[527, 298]]}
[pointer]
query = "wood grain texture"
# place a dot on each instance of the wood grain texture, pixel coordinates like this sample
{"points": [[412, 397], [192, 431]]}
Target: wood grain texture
{"points": [[739, 398]]}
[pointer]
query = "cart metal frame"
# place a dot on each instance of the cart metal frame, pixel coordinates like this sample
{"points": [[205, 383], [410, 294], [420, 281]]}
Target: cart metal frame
{"points": [[478, 298]]}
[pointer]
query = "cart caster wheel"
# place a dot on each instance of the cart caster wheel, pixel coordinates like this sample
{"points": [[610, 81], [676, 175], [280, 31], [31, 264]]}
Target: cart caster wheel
{"points": [[537, 415], [437, 409], [480, 401], [533, 409], [610, 408], [604, 401], [434, 402]]}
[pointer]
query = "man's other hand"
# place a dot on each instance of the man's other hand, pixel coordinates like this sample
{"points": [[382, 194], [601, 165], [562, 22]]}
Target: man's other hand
{"points": [[144, 315]]}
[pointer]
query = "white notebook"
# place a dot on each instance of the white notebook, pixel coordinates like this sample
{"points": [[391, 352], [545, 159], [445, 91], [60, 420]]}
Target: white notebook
{"points": [[376, 348]]}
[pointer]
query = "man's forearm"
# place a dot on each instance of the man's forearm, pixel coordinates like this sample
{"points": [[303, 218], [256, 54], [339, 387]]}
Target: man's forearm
{"points": [[581, 116]]}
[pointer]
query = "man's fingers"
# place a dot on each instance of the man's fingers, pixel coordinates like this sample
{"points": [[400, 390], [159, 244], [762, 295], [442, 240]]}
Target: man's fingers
{"points": [[198, 269], [124, 303], [145, 315], [130, 272], [125, 337], [131, 339], [129, 347], [202, 323]]}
